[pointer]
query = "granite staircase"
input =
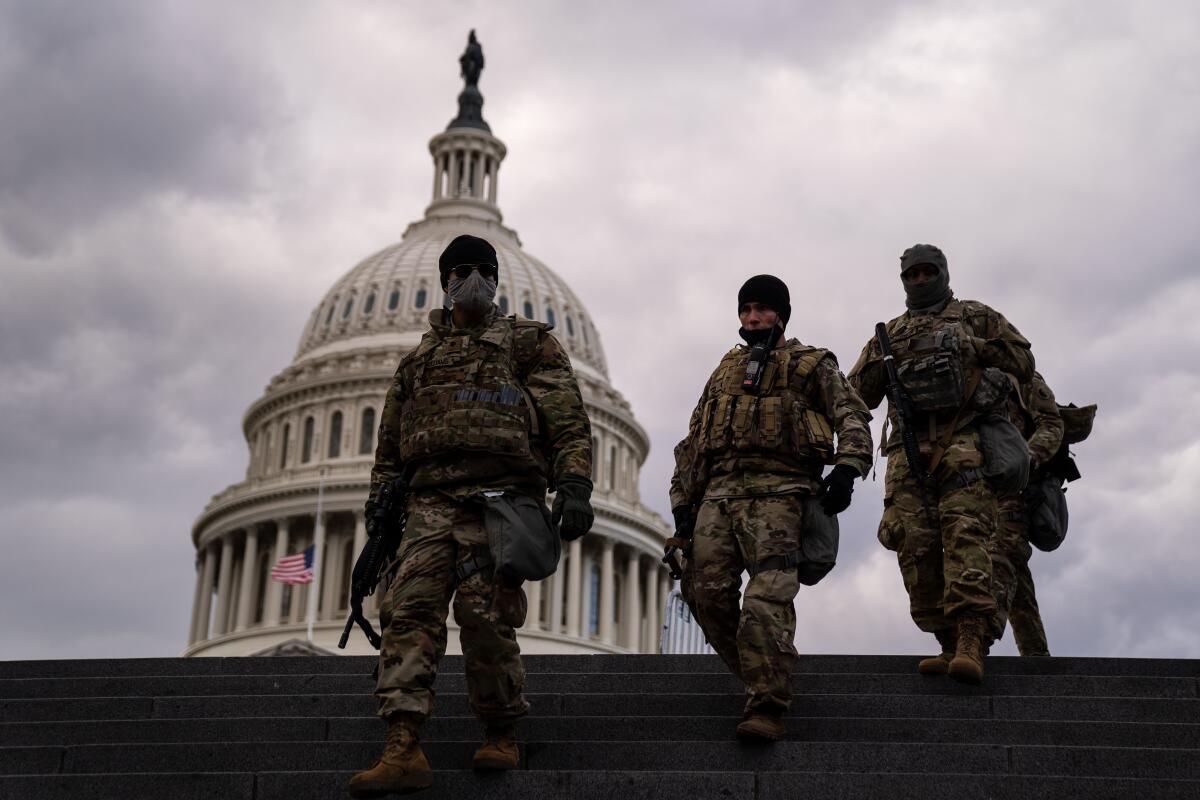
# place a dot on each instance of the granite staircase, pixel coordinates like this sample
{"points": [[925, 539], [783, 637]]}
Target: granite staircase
{"points": [[610, 727]]}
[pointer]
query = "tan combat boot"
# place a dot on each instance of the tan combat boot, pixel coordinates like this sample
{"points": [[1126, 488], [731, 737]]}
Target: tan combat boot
{"points": [[402, 768], [499, 749], [762, 724], [940, 664], [967, 664]]}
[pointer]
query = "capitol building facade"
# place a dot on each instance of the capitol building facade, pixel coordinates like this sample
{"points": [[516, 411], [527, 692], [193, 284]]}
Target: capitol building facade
{"points": [[311, 438]]}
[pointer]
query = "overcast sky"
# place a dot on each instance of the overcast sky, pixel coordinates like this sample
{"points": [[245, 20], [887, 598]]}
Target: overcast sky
{"points": [[180, 182]]}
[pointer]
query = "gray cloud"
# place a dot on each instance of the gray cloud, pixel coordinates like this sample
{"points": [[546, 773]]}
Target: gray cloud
{"points": [[177, 192]]}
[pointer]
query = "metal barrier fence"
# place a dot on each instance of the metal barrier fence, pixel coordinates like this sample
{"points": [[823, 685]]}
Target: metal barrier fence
{"points": [[680, 631]]}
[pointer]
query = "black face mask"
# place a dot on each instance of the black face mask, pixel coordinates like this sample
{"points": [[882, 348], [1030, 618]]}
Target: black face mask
{"points": [[925, 295], [759, 336]]}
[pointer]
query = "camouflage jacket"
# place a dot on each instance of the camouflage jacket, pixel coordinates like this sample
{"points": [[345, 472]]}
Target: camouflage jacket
{"points": [[1038, 418], [535, 383], [992, 342], [817, 402]]}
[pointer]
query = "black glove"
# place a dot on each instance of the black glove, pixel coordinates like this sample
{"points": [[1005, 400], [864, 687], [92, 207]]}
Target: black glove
{"points": [[836, 488], [572, 507], [685, 521]]}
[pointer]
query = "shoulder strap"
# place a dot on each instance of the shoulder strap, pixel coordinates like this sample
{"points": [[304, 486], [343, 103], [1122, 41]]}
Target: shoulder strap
{"points": [[804, 361]]}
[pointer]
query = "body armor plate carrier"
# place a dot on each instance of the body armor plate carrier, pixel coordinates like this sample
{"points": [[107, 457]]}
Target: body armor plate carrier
{"points": [[778, 420], [468, 394]]}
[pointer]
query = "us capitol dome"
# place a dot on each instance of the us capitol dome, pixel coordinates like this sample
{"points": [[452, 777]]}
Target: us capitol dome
{"points": [[311, 438]]}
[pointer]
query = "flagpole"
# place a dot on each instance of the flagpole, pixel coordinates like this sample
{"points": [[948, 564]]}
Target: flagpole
{"points": [[314, 588]]}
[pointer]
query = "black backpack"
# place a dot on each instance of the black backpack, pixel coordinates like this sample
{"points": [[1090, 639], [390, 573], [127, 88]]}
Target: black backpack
{"points": [[1046, 496]]}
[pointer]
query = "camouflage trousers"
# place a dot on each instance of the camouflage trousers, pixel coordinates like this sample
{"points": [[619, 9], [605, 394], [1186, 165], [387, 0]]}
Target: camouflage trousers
{"points": [[753, 637], [1016, 598], [946, 562], [440, 535]]}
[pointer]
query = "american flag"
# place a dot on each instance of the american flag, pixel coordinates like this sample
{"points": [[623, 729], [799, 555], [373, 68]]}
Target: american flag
{"points": [[294, 569]]}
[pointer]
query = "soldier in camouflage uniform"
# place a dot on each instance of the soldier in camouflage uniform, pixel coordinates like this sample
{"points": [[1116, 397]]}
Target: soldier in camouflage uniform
{"points": [[746, 476], [954, 358], [484, 403], [1036, 414]]}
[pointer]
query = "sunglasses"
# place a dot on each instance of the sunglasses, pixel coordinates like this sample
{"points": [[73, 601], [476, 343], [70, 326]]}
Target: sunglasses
{"points": [[463, 271]]}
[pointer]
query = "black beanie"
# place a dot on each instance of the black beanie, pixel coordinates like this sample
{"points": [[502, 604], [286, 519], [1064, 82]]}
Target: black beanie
{"points": [[465, 249], [771, 292]]}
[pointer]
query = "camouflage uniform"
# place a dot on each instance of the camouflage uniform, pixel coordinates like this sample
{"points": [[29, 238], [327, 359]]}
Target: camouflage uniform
{"points": [[947, 567], [748, 462], [1038, 418], [495, 407]]}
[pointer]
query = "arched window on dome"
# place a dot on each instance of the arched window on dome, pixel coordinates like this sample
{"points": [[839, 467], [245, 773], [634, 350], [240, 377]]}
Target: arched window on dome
{"points": [[422, 298], [349, 306], [583, 326], [366, 434], [570, 326], [612, 467], [335, 435], [394, 299], [283, 444], [504, 304], [528, 309], [369, 305], [306, 446], [332, 308], [549, 315]]}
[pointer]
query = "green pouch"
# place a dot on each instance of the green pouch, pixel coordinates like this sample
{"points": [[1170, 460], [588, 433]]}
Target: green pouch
{"points": [[521, 537]]}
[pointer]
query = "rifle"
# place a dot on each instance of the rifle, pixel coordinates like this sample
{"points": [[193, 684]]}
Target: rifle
{"points": [[385, 529], [899, 400]]}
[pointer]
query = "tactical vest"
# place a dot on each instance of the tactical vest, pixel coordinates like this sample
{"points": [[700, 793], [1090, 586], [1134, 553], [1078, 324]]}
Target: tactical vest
{"points": [[777, 421], [468, 394], [935, 357]]}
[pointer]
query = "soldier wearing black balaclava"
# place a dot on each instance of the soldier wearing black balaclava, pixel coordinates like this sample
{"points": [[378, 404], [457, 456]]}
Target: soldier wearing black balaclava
{"points": [[749, 494], [958, 361]]}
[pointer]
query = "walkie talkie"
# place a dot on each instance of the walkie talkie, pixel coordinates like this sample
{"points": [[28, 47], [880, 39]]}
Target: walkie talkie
{"points": [[757, 364]]}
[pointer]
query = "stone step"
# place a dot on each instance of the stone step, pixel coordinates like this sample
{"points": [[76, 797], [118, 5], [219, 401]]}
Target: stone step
{"points": [[362, 704], [663, 756], [362, 665], [590, 785], [647, 683], [606, 729]]}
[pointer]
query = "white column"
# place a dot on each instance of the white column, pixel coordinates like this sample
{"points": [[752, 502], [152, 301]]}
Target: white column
{"points": [[235, 591], [574, 587], [607, 591], [650, 640], [249, 579], [197, 596], [585, 605], [437, 176], [210, 567], [633, 609], [319, 570], [495, 178], [332, 577], [556, 596], [274, 601], [223, 584], [533, 594]]}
